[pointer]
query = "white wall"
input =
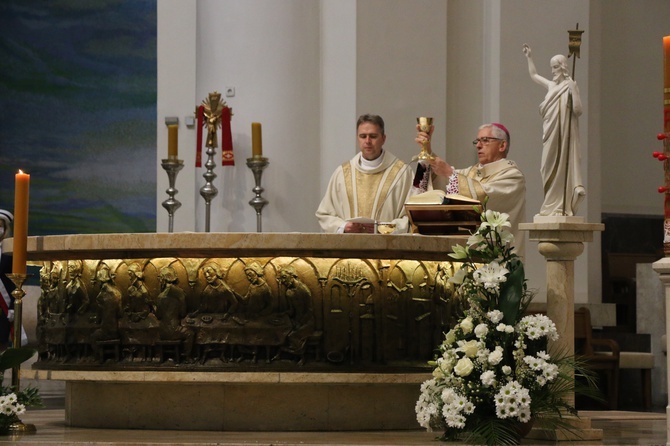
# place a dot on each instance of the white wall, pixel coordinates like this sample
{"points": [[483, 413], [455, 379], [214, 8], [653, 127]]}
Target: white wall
{"points": [[632, 104], [306, 69]]}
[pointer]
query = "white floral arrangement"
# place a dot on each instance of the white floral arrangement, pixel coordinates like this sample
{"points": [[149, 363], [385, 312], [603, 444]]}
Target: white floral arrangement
{"points": [[14, 402], [493, 375], [10, 406]]}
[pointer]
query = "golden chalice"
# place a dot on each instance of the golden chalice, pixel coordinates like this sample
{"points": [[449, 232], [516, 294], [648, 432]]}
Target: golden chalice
{"points": [[424, 125]]}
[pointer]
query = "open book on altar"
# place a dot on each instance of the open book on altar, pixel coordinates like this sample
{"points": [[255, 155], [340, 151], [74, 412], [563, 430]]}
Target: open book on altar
{"points": [[438, 196], [437, 213]]}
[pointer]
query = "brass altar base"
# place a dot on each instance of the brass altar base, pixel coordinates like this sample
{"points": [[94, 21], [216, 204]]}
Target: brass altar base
{"points": [[21, 428]]}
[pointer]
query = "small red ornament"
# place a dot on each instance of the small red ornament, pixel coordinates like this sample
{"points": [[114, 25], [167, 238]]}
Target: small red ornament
{"points": [[662, 189]]}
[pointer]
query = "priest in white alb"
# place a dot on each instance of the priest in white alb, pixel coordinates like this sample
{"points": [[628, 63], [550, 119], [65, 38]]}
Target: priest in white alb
{"points": [[370, 188]]}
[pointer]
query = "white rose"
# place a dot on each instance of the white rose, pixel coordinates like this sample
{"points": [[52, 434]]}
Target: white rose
{"points": [[507, 369], [470, 348], [481, 330], [496, 356], [464, 367], [466, 325]]}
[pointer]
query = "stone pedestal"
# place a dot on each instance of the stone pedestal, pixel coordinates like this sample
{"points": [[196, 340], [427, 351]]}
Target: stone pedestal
{"points": [[561, 240], [662, 267]]}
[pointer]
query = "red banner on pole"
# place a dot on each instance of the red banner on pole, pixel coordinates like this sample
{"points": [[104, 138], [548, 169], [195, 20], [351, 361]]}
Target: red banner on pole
{"points": [[228, 158], [198, 154]]}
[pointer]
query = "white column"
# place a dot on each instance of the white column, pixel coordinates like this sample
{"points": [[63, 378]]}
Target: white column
{"points": [[662, 267]]}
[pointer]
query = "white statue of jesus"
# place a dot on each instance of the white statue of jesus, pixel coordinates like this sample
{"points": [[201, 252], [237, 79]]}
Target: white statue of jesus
{"points": [[560, 111]]}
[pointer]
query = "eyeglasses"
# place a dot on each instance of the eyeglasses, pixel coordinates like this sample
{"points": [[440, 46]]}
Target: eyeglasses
{"points": [[485, 140]]}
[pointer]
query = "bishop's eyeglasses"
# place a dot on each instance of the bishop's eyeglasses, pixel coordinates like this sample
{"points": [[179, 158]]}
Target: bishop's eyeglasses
{"points": [[485, 140]]}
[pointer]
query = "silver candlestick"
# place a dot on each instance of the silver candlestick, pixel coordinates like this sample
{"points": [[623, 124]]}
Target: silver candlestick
{"points": [[209, 191], [257, 164], [18, 427], [172, 167]]}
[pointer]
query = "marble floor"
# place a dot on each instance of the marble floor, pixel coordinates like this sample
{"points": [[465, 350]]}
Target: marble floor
{"points": [[619, 428]]}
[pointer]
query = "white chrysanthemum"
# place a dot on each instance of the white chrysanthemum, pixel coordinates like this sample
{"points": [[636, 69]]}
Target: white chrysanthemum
{"points": [[535, 326], [481, 330], [496, 356], [488, 378], [495, 316], [511, 400], [543, 355], [491, 275]]}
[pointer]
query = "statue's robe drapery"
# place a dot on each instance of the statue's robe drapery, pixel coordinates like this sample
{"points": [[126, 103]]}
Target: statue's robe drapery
{"points": [[379, 194], [560, 168]]}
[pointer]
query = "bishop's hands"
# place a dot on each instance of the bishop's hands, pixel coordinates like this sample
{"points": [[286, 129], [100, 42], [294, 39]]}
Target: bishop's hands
{"points": [[438, 165]]}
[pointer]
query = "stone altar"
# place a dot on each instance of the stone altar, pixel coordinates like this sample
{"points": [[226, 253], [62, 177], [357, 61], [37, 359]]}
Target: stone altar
{"points": [[367, 312]]}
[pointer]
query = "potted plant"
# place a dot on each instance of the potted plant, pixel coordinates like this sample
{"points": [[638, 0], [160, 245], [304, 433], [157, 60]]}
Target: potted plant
{"points": [[493, 376]]}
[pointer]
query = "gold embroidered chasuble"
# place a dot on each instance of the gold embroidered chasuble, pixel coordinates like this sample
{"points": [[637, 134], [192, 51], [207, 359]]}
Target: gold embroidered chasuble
{"points": [[379, 193]]}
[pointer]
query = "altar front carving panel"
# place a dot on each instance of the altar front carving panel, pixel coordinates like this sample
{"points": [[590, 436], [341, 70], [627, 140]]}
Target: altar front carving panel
{"points": [[336, 300], [249, 331]]}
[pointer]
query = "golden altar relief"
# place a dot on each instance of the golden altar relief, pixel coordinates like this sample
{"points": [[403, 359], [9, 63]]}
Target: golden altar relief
{"points": [[246, 312]]}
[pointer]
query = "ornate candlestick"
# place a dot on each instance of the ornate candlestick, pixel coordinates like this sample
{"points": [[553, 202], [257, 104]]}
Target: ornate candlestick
{"points": [[212, 110], [18, 293], [257, 164], [209, 191], [172, 167]]}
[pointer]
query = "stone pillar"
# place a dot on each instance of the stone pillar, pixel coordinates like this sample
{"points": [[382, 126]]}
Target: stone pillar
{"points": [[662, 267], [561, 240]]}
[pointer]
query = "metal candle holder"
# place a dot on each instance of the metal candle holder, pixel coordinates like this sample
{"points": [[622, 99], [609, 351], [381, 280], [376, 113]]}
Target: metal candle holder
{"points": [[209, 191], [257, 164], [172, 167], [18, 293]]}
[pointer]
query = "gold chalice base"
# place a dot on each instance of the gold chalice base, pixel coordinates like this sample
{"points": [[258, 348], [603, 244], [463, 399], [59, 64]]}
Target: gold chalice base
{"points": [[423, 156], [386, 228]]}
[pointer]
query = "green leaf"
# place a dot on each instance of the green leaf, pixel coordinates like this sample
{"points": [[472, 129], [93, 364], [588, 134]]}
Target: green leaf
{"points": [[511, 294]]}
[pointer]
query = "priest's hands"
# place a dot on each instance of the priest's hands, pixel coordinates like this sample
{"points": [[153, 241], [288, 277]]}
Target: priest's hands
{"points": [[441, 167]]}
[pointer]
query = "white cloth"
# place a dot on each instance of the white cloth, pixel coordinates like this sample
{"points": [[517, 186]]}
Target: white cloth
{"points": [[361, 188]]}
